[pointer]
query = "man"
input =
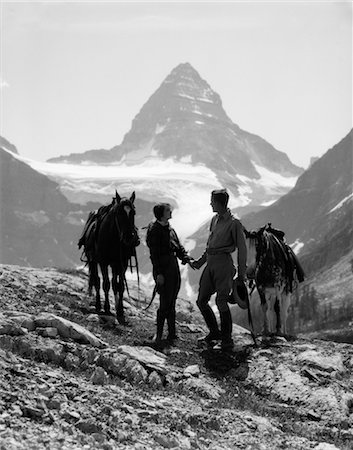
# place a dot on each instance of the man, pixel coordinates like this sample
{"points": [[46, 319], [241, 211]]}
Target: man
{"points": [[165, 248], [226, 234]]}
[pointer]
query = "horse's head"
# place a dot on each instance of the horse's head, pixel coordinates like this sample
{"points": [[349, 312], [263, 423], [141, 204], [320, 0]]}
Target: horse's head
{"points": [[265, 247], [124, 210], [252, 243]]}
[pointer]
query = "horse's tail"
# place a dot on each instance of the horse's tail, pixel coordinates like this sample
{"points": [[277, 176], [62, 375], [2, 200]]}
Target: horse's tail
{"points": [[92, 275], [296, 264]]}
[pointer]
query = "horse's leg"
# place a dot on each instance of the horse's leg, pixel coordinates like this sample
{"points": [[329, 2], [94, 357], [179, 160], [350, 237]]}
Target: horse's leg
{"points": [[91, 281], [116, 289], [91, 277], [264, 307], [119, 305], [106, 287], [278, 309], [285, 302], [271, 314], [94, 280]]}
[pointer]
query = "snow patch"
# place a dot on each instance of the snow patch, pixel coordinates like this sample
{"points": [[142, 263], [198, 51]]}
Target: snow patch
{"points": [[35, 218], [243, 198], [186, 186], [186, 96], [297, 246], [268, 203], [205, 99], [187, 159], [243, 178], [270, 178], [341, 203], [159, 129]]}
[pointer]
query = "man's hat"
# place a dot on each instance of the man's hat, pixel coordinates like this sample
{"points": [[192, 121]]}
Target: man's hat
{"points": [[240, 295]]}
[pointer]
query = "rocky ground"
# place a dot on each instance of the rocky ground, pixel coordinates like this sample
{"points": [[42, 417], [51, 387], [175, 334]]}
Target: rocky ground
{"points": [[70, 379]]}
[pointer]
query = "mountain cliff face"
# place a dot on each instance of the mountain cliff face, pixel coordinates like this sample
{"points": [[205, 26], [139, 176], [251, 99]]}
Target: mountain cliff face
{"points": [[317, 213], [38, 226]]}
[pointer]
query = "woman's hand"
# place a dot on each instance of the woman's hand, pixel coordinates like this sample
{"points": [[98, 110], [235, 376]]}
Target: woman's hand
{"points": [[191, 264]]}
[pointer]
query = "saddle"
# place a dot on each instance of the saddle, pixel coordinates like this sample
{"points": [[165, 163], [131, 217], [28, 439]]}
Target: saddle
{"points": [[90, 231], [289, 258]]}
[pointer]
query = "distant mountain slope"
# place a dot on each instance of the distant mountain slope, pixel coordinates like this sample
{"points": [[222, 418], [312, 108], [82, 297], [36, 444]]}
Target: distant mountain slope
{"points": [[317, 213], [5, 144], [38, 226]]}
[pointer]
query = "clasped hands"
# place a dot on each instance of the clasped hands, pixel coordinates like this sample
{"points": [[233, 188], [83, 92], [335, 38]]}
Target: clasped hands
{"points": [[194, 264]]}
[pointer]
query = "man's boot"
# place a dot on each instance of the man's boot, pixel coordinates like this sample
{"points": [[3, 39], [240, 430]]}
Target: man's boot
{"points": [[160, 325], [171, 327], [226, 332], [212, 325]]}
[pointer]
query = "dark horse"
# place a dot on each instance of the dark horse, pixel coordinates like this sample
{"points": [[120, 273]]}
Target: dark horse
{"points": [[276, 271], [110, 239]]}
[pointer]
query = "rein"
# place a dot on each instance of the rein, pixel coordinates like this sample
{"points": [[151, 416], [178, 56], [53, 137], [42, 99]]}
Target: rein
{"points": [[153, 296]]}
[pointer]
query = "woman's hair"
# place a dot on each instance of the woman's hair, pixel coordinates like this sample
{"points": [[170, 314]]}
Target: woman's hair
{"points": [[158, 210]]}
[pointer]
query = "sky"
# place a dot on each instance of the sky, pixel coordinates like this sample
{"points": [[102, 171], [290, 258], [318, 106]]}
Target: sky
{"points": [[73, 75]]}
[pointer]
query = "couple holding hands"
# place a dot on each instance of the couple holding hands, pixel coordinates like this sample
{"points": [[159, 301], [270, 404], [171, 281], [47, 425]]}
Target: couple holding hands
{"points": [[225, 236]]}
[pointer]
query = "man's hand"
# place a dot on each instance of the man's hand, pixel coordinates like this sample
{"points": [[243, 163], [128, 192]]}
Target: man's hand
{"points": [[160, 280], [197, 264]]}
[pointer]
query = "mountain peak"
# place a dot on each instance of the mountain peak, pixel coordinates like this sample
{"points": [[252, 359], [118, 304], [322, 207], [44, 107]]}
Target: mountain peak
{"points": [[186, 83], [185, 69], [184, 120]]}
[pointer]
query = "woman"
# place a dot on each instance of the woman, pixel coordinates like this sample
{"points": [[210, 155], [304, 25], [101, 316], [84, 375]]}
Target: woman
{"points": [[165, 248]]}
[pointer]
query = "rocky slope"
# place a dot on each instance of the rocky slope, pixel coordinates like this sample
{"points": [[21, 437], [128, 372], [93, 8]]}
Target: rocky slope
{"points": [[72, 380]]}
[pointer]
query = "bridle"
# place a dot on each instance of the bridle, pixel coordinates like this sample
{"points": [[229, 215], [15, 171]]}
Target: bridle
{"points": [[134, 239]]}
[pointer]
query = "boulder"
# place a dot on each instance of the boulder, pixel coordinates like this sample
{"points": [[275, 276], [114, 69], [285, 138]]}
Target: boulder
{"points": [[319, 361], [148, 357], [68, 329]]}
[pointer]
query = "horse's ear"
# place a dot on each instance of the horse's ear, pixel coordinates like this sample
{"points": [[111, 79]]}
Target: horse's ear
{"points": [[132, 198], [117, 196]]}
